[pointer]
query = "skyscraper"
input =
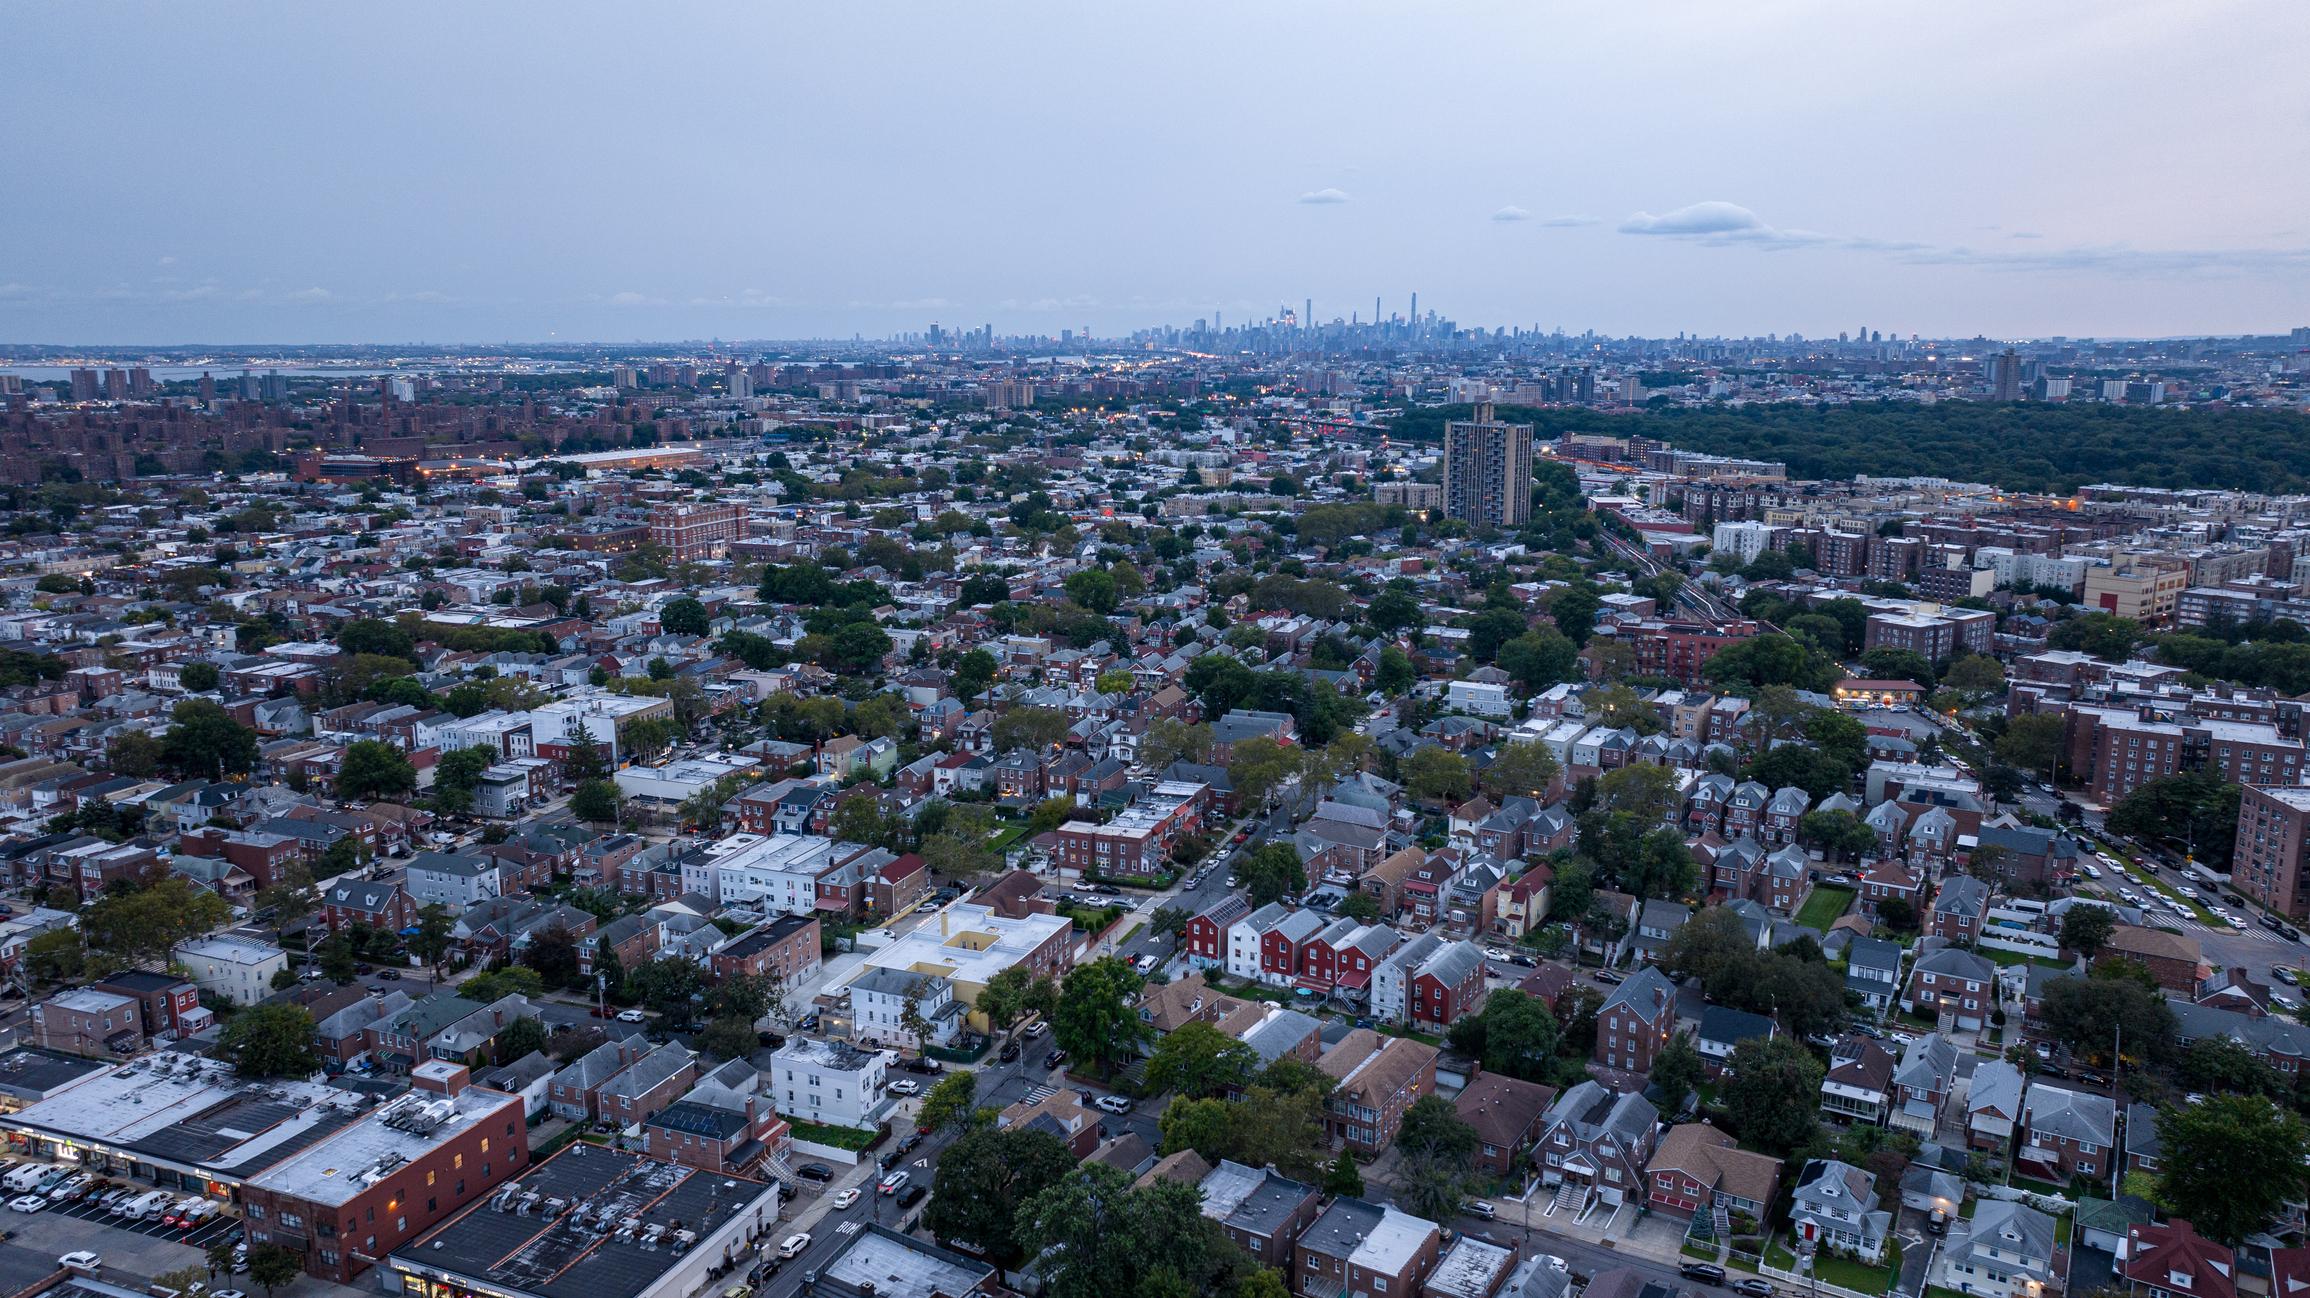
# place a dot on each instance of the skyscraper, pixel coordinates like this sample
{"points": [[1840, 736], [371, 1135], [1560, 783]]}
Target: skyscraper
{"points": [[2008, 378], [1488, 470]]}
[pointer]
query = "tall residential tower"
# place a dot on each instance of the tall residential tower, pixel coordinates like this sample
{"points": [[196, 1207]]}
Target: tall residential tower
{"points": [[1488, 470]]}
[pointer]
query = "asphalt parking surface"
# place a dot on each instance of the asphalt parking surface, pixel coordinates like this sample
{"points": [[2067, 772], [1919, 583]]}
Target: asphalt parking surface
{"points": [[200, 1237]]}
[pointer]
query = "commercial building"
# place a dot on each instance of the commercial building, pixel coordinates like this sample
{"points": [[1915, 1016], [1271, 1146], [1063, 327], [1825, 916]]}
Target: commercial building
{"points": [[591, 1223], [2133, 587], [879, 1262], [348, 1200], [1488, 470]]}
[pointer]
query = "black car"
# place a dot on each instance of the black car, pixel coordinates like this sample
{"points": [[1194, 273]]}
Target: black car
{"points": [[1705, 1272], [1054, 1059], [911, 1196], [815, 1172], [1010, 1052], [770, 1040], [389, 975], [907, 1144]]}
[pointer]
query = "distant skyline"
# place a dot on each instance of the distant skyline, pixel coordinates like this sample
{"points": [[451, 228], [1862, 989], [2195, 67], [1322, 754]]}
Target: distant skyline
{"points": [[539, 172]]}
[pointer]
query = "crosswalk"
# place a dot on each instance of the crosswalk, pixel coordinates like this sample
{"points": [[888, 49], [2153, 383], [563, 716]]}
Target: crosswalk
{"points": [[1038, 1093]]}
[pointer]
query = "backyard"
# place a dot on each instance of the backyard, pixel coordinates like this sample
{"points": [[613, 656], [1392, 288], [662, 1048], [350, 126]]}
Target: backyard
{"points": [[1824, 907]]}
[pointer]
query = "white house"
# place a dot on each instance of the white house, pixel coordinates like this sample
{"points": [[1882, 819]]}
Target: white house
{"points": [[1480, 697], [455, 881], [878, 1002], [237, 968], [832, 1083]]}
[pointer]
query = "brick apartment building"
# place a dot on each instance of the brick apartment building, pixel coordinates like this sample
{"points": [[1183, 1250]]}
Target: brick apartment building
{"points": [[787, 948], [2267, 866], [691, 532]]}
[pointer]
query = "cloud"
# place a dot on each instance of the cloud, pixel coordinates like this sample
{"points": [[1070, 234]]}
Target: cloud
{"points": [[1511, 213], [166, 261], [629, 297], [1720, 224], [1571, 222], [1711, 219], [1323, 197], [310, 296]]}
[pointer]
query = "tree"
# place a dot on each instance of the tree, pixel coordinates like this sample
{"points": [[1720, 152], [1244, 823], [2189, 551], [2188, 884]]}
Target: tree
{"points": [[492, 985], [952, 1102], [1031, 728], [2086, 928], [1540, 658], [2197, 810], [1432, 1128], [275, 1265], [1771, 659], [1272, 872], [198, 677], [1259, 765], [2033, 742], [1198, 1060], [1431, 1188], [270, 1041], [1436, 774], [669, 985], [596, 802], [289, 898], [458, 774], [1169, 740], [1341, 1180], [1095, 1022], [204, 740], [369, 635], [684, 616], [373, 769], [1677, 1069], [430, 942], [1839, 834], [1514, 1034], [857, 649], [983, 1182], [1097, 1236], [2104, 635], [727, 1037], [1774, 1097], [1524, 770], [1395, 672], [1974, 674], [2220, 1064], [520, 1039], [1205, 1126], [554, 954], [1359, 906], [1004, 999], [973, 673], [2088, 1014], [140, 927], [2230, 1163]]}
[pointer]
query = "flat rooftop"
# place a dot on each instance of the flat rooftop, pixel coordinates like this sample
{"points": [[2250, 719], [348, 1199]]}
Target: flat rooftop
{"points": [[404, 1129], [887, 1264], [193, 1113], [586, 1223]]}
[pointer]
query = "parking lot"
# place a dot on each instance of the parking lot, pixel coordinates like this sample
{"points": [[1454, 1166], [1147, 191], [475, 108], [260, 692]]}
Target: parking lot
{"points": [[198, 1238]]}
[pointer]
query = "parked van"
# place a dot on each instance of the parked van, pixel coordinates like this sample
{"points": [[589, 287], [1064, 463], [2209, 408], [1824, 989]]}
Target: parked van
{"points": [[25, 1177], [146, 1206]]}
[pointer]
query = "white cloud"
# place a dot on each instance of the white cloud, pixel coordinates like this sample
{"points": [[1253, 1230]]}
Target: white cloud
{"points": [[629, 297], [1711, 219], [310, 296], [1571, 222], [1323, 197], [1511, 213]]}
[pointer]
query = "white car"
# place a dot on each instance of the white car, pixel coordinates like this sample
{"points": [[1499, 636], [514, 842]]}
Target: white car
{"points": [[1037, 1028], [844, 1198], [632, 1016], [2091, 871], [895, 1182], [905, 1086], [1113, 1103], [1495, 954], [80, 1260], [28, 1203], [793, 1246]]}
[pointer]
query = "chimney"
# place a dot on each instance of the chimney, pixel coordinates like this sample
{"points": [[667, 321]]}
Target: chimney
{"points": [[442, 1076]]}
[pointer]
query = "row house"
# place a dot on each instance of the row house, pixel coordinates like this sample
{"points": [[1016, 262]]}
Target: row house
{"points": [[1448, 986], [1391, 997], [1204, 938], [1993, 1107], [1356, 1247], [1922, 1080], [1262, 1211]]}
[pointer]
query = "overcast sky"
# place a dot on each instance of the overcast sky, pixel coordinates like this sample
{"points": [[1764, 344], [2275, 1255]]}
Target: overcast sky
{"points": [[482, 171]]}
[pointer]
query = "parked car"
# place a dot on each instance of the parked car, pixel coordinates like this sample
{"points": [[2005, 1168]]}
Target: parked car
{"points": [[905, 1086], [28, 1203], [1749, 1286], [632, 1016], [844, 1198], [1010, 1052], [80, 1260], [1705, 1272], [895, 1182], [912, 1196], [1054, 1059], [793, 1245], [1937, 1222], [815, 1172], [1037, 1028], [1113, 1103]]}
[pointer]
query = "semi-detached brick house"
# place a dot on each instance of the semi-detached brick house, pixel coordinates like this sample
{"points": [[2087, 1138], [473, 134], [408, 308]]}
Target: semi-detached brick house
{"points": [[1378, 1079], [1359, 1248], [1449, 985], [1204, 940], [1263, 1212], [647, 1085], [787, 948], [1505, 1113], [2066, 1134], [575, 1091], [1635, 1021]]}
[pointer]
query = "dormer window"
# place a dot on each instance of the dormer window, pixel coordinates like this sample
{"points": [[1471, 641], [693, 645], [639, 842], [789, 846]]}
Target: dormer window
{"points": [[2178, 1279]]}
